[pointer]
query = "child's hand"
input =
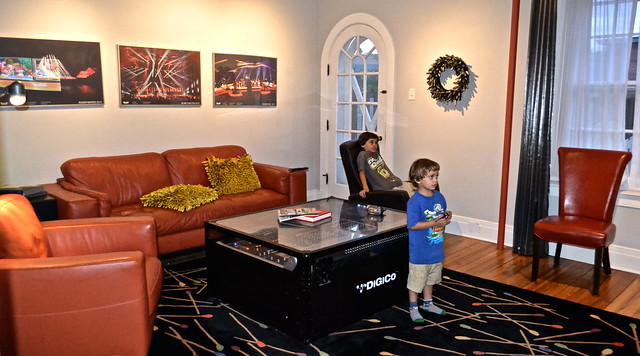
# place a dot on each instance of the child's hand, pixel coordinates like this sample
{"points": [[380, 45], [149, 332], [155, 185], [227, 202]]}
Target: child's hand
{"points": [[444, 219], [363, 192]]}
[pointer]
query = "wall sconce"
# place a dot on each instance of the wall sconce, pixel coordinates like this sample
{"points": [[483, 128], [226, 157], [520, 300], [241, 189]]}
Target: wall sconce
{"points": [[17, 93]]}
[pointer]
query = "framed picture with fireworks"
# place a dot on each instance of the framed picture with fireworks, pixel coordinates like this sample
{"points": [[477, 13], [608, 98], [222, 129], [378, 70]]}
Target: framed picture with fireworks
{"points": [[156, 76], [53, 72], [243, 80]]}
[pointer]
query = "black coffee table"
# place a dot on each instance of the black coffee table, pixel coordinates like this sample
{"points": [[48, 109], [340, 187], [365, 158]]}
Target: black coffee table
{"points": [[309, 280]]}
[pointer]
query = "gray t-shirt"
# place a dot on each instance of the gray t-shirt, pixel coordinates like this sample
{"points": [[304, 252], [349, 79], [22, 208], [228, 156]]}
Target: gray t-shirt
{"points": [[379, 176]]}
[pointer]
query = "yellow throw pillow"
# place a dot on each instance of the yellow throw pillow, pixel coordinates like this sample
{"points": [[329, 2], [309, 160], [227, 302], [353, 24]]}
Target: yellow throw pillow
{"points": [[231, 175], [180, 197]]}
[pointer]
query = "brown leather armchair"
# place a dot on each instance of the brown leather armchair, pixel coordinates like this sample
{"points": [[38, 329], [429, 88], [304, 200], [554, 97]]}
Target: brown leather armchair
{"points": [[589, 184], [76, 287]]}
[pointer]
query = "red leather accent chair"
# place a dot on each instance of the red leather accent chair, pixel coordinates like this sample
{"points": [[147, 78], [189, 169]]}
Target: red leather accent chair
{"points": [[76, 287], [589, 184]]}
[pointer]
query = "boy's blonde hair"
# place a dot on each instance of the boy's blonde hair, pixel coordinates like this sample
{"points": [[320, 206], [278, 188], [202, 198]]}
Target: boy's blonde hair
{"points": [[420, 168]]}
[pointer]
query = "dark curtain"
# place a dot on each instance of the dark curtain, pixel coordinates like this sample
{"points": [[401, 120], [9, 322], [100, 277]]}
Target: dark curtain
{"points": [[532, 197]]}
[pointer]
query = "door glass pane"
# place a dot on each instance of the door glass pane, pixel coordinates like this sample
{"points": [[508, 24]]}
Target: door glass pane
{"points": [[341, 177], [340, 138], [372, 61], [343, 117], [372, 120], [344, 88], [358, 88], [358, 64], [356, 113], [344, 63], [351, 46], [366, 45], [372, 88], [348, 117]]}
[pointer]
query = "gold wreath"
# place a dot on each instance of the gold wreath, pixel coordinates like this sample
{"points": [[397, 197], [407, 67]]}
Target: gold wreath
{"points": [[461, 83]]}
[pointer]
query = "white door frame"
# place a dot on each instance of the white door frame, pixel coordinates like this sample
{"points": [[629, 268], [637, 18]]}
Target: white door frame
{"points": [[385, 45]]}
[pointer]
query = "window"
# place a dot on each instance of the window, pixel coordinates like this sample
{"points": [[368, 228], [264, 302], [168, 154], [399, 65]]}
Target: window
{"points": [[595, 90], [632, 122], [357, 80], [631, 84]]}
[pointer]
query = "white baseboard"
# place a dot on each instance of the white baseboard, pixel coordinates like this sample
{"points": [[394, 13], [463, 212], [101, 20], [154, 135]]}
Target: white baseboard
{"points": [[315, 194], [622, 258]]}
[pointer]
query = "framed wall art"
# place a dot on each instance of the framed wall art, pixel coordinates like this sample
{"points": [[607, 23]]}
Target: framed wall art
{"points": [[53, 72], [155, 76], [243, 80]]}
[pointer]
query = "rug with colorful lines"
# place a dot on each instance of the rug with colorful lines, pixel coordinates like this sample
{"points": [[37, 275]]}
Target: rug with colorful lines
{"points": [[483, 318]]}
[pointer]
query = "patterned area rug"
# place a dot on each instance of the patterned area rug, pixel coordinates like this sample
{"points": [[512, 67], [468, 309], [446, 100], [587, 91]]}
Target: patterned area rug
{"points": [[483, 318]]}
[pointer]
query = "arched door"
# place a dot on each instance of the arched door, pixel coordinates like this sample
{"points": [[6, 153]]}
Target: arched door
{"points": [[356, 94]]}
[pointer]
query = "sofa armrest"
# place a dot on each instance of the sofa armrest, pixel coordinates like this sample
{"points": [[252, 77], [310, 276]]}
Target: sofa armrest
{"points": [[59, 300], [298, 184], [72, 205], [101, 235], [283, 180], [76, 202]]}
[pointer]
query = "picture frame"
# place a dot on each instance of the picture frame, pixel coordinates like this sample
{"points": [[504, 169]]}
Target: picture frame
{"points": [[54, 72], [244, 80], [158, 76]]}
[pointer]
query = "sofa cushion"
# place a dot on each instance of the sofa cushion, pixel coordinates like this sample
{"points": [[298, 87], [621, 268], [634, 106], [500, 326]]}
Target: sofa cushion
{"points": [[180, 197], [171, 221], [185, 164], [231, 175], [21, 234], [124, 179]]}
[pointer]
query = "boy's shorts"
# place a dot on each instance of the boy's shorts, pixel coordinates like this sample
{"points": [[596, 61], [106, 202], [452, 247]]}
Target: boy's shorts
{"points": [[423, 275]]}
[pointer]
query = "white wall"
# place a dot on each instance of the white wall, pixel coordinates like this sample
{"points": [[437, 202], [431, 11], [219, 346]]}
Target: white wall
{"points": [[466, 140], [34, 142]]}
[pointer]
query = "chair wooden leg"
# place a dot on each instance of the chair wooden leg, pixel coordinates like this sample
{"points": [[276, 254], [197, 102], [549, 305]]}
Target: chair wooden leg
{"points": [[556, 259], [596, 270], [606, 262], [536, 256]]}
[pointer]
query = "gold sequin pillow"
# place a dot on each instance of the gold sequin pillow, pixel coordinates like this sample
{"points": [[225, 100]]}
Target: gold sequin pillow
{"points": [[180, 197], [232, 175]]}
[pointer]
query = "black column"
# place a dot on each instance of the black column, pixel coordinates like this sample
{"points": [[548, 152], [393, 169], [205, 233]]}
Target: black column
{"points": [[532, 198]]}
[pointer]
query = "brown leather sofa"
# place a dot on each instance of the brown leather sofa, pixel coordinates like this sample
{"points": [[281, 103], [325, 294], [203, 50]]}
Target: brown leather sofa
{"points": [[76, 287], [112, 186]]}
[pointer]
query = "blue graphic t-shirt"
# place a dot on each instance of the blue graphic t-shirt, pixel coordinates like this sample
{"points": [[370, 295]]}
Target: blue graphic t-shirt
{"points": [[426, 246]]}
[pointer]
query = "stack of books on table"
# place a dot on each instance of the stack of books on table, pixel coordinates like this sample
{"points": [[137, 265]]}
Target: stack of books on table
{"points": [[303, 215]]}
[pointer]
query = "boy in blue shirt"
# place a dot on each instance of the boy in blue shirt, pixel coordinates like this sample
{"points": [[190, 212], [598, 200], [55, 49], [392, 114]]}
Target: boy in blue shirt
{"points": [[427, 216]]}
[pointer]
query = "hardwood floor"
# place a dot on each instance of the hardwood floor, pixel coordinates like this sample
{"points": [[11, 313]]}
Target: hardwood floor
{"points": [[571, 280]]}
